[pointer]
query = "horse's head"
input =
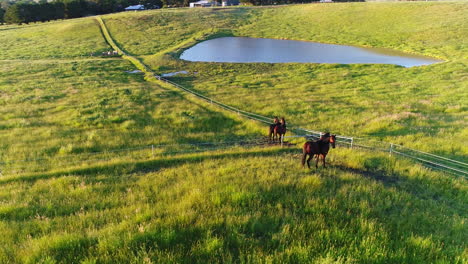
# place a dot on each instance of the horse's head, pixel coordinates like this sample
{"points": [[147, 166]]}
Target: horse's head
{"points": [[333, 140], [276, 120], [282, 121]]}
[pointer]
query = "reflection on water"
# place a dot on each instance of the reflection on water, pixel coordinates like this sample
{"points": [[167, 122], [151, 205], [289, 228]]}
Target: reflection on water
{"points": [[240, 49]]}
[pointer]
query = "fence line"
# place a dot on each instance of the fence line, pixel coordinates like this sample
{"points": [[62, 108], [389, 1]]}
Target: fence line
{"points": [[153, 147], [345, 139], [207, 146], [432, 163], [425, 159], [149, 151]]}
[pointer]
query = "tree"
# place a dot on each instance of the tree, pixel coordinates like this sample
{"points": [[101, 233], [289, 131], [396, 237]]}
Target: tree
{"points": [[14, 15], [58, 10], [74, 8], [150, 4], [2, 14], [5, 4]]}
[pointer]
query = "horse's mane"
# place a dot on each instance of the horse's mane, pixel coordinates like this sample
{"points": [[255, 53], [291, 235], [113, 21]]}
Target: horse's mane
{"points": [[323, 137]]}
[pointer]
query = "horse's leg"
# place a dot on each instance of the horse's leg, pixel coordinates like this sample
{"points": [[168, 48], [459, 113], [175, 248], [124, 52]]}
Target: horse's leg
{"points": [[316, 161], [303, 161], [324, 155], [308, 160]]}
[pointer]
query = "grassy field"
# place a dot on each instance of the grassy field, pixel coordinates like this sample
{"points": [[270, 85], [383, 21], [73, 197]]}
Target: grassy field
{"points": [[58, 39], [415, 107], [55, 109], [250, 206], [80, 184]]}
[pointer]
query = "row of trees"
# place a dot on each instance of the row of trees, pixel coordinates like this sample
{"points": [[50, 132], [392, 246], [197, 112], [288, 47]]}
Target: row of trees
{"points": [[29, 11], [25, 12]]}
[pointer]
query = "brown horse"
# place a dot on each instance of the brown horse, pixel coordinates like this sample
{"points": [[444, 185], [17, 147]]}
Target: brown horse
{"points": [[271, 129], [277, 130], [280, 129], [317, 147]]}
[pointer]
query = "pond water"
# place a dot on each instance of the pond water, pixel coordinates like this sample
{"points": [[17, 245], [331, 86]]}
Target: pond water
{"points": [[240, 49]]}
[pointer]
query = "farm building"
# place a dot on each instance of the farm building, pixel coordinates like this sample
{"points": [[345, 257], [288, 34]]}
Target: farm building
{"points": [[204, 3], [135, 8], [207, 3]]}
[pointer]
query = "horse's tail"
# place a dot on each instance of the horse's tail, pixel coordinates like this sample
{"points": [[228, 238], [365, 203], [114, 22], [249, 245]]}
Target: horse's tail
{"points": [[304, 154]]}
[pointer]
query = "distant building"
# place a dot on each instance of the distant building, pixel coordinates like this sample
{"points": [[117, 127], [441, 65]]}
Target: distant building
{"points": [[135, 8], [204, 3]]}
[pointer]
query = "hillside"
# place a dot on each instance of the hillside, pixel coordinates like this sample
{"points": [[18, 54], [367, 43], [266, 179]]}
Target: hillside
{"points": [[417, 106], [99, 165]]}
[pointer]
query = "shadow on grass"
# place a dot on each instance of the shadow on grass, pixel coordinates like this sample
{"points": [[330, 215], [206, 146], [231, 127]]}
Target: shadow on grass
{"points": [[286, 221], [276, 218], [140, 166]]}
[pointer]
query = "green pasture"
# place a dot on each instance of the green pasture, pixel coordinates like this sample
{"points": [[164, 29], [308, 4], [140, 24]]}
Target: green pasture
{"points": [[250, 206], [54, 109], [416, 107], [57, 39], [80, 183]]}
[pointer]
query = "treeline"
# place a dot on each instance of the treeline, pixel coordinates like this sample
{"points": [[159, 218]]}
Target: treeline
{"points": [[29, 11]]}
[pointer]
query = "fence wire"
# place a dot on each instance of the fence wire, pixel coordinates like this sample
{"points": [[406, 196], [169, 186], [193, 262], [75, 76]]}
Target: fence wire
{"points": [[430, 160]]}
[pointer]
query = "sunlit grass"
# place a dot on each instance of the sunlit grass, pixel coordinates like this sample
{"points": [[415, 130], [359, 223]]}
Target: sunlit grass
{"points": [[229, 202], [230, 207], [85, 106], [416, 107], [57, 39]]}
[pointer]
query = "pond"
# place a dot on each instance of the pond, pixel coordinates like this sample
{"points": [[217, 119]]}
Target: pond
{"points": [[245, 50]]}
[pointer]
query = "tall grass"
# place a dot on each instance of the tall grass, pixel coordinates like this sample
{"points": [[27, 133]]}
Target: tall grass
{"points": [[82, 106], [58, 39], [417, 107], [229, 205]]}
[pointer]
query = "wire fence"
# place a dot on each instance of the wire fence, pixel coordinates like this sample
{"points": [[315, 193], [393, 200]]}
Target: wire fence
{"points": [[429, 160], [148, 152], [131, 154], [432, 161]]}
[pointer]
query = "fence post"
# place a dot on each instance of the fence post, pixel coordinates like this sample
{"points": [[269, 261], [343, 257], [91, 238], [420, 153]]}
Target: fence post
{"points": [[282, 139], [352, 141], [152, 151], [391, 148]]}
